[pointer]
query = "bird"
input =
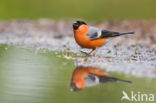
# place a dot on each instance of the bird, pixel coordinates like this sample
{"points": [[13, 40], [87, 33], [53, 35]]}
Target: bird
{"points": [[90, 76], [92, 37]]}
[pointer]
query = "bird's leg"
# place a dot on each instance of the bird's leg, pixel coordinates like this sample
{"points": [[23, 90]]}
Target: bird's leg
{"points": [[91, 52], [88, 54], [84, 52]]}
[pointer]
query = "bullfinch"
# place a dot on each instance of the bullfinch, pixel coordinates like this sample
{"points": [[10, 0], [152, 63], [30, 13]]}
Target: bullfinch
{"points": [[91, 37]]}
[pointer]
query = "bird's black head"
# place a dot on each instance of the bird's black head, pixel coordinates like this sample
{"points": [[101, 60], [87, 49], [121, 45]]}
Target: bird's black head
{"points": [[77, 24], [73, 87]]}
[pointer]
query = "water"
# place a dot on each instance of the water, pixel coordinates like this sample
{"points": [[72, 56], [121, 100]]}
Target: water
{"points": [[29, 76]]}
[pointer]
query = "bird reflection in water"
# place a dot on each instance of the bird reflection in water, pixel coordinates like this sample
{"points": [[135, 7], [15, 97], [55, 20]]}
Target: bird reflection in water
{"points": [[90, 76]]}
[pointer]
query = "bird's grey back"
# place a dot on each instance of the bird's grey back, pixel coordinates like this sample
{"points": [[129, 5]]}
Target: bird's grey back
{"points": [[91, 80], [92, 30]]}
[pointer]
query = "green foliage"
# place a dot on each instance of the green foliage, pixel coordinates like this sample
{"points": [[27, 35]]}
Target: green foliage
{"points": [[85, 9]]}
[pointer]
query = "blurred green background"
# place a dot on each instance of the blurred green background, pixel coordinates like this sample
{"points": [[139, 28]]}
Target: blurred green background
{"points": [[84, 9]]}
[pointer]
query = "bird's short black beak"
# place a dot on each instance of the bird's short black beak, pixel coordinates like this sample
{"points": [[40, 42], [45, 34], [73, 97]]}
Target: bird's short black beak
{"points": [[73, 87], [75, 26]]}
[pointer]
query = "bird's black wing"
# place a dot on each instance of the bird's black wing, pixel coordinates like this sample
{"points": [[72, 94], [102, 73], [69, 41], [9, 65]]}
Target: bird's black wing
{"points": [[93, 79]]}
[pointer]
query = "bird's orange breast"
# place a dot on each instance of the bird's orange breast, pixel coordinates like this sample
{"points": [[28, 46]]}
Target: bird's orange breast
{"points": [[84, 41]]}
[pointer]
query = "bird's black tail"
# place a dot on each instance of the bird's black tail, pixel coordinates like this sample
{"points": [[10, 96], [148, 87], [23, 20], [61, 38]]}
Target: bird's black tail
{"points": [[123, 33], [104, 79], [124, 81], [108, 34]]}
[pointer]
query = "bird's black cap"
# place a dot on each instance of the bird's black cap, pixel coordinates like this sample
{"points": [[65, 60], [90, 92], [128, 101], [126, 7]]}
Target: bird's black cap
{"points": [[73, 87], [76, 24]]}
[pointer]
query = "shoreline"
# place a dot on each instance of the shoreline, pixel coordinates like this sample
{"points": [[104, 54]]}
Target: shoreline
{"points": [[135, 52]]}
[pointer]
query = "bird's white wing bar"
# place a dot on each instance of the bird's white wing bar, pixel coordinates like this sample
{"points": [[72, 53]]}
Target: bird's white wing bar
{"points": [[99, 34]]}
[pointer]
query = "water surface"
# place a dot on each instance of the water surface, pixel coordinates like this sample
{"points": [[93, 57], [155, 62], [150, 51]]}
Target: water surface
{"points": [[30, 76]]}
